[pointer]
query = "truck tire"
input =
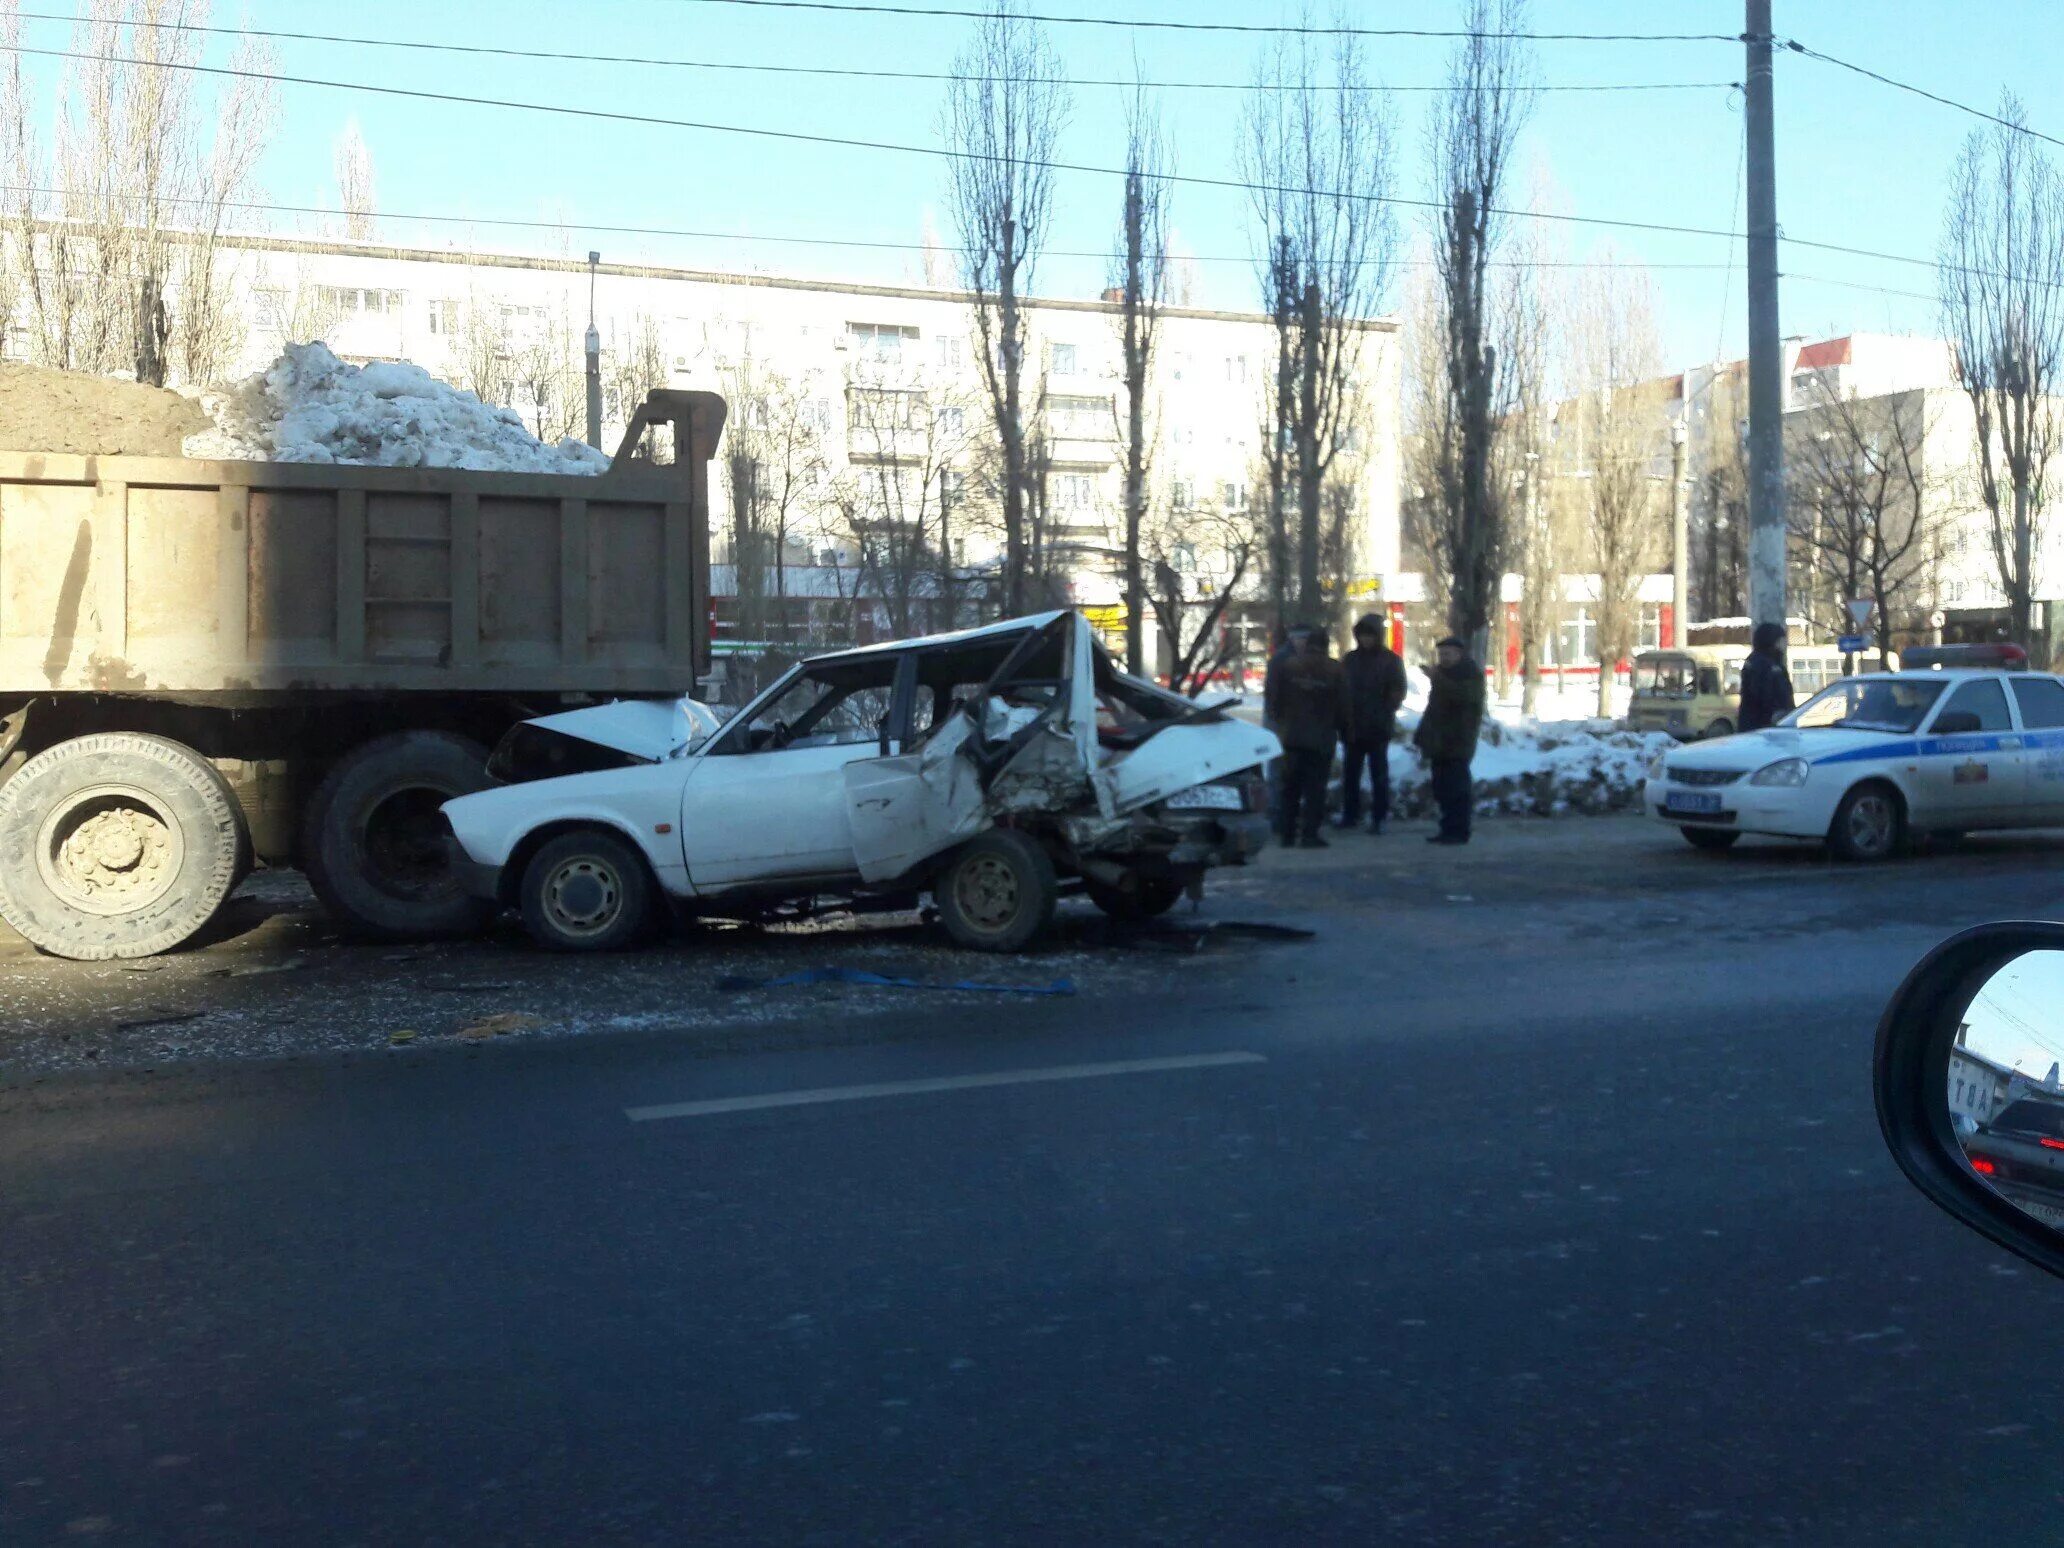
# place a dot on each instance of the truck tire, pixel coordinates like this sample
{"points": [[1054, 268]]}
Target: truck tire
{"points": [[117, 844], [998, 892], [587, 890], [374, 841], [1148, 898]]}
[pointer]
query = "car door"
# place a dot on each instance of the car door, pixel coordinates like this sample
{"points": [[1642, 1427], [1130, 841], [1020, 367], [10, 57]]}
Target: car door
{"points": [[1972, 771], [767, 802], [2041, 702]]}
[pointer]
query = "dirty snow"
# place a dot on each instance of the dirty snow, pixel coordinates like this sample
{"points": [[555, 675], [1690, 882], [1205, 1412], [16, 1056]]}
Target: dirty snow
{"points": [[309, 406], [1539, 769]]}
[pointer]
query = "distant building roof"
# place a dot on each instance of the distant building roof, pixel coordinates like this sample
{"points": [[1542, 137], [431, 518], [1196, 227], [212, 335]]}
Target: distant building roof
{"points": [[1827, 352]]}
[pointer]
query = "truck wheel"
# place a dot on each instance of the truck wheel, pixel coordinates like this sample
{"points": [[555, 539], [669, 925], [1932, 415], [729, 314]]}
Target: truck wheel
{"points": [[586, 891], [998, 892], [374, 843], [1869, 824], [1148, 898], [117, 845], [1710, 838]]}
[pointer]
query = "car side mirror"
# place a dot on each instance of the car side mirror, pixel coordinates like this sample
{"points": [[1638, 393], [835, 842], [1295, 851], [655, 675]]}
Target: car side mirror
{"points": [[1969, 1080], [1956, 723]]}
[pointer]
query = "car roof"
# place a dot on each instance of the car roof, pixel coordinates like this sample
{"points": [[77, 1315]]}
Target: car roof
{"points": [[1008, 626]]}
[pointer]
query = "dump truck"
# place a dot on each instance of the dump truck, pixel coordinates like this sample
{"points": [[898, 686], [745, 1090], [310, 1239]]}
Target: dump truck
{"points": [[205, 665]]}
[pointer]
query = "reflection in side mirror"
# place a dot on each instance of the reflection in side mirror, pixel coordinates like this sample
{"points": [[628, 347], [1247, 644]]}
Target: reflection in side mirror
{"points": [[2006, 1083], [1969, 1079]]}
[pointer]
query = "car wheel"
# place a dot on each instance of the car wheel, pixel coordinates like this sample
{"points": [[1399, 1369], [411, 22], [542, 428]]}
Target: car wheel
{"points": [[1869, 823], [1710, 838], [1718, 728], [1148, 897], [586, 891], [998, 892]]}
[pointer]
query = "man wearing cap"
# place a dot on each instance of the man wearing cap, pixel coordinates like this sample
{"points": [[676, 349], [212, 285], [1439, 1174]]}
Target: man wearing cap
{"points": [[1447, 736], [1375, 688]]}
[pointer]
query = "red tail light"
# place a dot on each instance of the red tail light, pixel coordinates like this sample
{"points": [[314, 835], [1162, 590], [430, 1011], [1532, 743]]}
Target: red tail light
{"points": [[1981, 1166], [2051, 1144]]}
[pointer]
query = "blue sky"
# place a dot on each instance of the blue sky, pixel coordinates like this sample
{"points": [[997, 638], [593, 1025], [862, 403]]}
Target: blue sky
{"points": [[1859, 163]]}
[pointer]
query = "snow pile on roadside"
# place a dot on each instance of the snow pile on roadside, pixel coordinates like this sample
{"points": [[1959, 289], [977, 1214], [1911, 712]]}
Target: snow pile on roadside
{"points": [[1541, 771], [309, 406]]}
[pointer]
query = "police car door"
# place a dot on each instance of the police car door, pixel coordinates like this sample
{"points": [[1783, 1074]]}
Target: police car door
{"points": [[2041, 702], [1972, 770]]}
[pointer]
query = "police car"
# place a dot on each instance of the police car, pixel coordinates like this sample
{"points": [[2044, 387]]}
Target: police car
{"points": [[1877, 757]]}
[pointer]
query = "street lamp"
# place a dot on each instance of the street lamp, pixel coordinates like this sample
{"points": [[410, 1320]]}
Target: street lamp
{"points": [[594, 361]]}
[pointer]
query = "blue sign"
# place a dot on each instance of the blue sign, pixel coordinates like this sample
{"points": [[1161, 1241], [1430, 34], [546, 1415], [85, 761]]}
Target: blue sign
{"points": [[1849, 644]]}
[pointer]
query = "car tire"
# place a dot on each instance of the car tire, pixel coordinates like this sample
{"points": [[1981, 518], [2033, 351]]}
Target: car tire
{"points": [[998, 892], [588, 890], [1716, 730], [1149, 897], [1714, 839], [373, 839], [118, 845], [1870, 823]]}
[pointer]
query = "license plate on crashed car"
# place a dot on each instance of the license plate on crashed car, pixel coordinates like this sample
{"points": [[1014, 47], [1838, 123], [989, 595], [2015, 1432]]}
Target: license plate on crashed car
{"points": [[1691, 801], [1206, 798]]}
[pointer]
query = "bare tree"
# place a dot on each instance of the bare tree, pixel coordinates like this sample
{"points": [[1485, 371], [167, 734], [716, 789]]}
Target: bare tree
{"points": [[353, 164], [546, 376], [1002, 119], [1200, 559], [208, 326], [1616, 428], [1141, 281], [1532, 537], [776, 470], [1318, 152], [2001, 279], [1862, 504], [484, 356], [1719, 498], [1475, 126], [636, 367], [905, 445]]}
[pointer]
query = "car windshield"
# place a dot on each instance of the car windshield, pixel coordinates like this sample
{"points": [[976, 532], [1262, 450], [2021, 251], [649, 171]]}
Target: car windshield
{"points": [[1665, 677], [1891, 704], [2030, 1115]]}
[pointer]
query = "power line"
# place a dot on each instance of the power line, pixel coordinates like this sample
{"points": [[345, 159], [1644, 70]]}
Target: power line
{"points": [[561, 56], [1276, 29], [796, 136], [1881, 290], [1796, 47]]}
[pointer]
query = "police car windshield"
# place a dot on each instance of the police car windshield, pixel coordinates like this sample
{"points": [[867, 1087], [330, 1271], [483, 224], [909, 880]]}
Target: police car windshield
{"points": [[1869, 703]]}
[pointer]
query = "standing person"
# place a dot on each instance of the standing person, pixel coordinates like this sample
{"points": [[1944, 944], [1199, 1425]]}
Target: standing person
{"points": [[1447, 736], [1283, 645], [1766, 687], [1308, 709], [1375, 688]]}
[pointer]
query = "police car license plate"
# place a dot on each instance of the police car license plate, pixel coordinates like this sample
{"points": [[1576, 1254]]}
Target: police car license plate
{"points": [[1206, 798], [1691, 801]]}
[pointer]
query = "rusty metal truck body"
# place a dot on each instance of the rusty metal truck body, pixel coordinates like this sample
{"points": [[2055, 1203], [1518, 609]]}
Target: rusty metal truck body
{"points": [[203, 663]]}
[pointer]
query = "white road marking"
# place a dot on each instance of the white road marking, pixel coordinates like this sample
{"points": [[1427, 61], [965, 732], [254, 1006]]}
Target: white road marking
{"points": [[895, 1088]]}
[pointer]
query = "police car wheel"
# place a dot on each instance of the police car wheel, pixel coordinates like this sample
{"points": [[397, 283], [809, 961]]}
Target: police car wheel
{"points": [[1869, 824], [1710, 838]]}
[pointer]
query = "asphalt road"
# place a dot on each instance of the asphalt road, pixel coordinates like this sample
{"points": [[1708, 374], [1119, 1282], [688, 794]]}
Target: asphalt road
{"points": [[1536, 1200]]}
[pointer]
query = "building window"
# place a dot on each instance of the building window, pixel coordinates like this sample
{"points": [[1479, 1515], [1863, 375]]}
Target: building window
{"points": [[879, 341], [1182, 558], [1061, 359], [1081, 419], [1651, 627], [952, 420], [1235, 494], [350, 300], [1236, 370], [1073, 491], [881, 409], [952, 352], [1184, 495], [444, 318], [1576, 641]]}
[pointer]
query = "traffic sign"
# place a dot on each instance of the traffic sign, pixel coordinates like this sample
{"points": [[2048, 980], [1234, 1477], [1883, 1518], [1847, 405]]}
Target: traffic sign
{"points": [[1860, 611], [1850, 644], [1937, 619]]}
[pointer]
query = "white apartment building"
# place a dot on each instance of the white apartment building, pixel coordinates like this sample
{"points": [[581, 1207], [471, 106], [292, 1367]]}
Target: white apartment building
{"points": [[883, 374]]}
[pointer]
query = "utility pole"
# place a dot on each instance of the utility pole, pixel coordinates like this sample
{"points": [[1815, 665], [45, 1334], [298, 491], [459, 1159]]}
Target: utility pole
{"points": [[1766, 344], [594, 361], [1680, 540]]}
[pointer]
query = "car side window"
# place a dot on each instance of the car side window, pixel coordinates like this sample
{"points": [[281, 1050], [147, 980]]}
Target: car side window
{"points": [[836, 709], [1985, 700], [2042, 702]]}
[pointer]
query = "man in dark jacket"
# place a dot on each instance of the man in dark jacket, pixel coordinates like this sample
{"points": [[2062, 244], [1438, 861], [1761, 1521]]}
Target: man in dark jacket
{"points": [[1447, 736], [1306, 703], [1766, 687], [1375, 688]]}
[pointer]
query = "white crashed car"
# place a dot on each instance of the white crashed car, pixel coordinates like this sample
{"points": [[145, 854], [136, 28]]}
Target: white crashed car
{"points": [[1874, 758], [985, 768]]}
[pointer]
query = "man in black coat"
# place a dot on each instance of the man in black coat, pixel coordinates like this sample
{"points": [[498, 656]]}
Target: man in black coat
{"points": [[1766, 687], [1447, 737], [1375, 688], [1306, 703]]}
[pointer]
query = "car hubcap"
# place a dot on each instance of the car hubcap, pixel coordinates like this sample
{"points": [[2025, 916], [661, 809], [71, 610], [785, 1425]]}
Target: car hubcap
{"points": [[113, 849], [1870, 825], [584, 896], [986, 891]]}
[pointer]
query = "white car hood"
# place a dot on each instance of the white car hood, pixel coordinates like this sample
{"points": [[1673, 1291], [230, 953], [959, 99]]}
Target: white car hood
{"points": [[644, 728], [1753, 749]]}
